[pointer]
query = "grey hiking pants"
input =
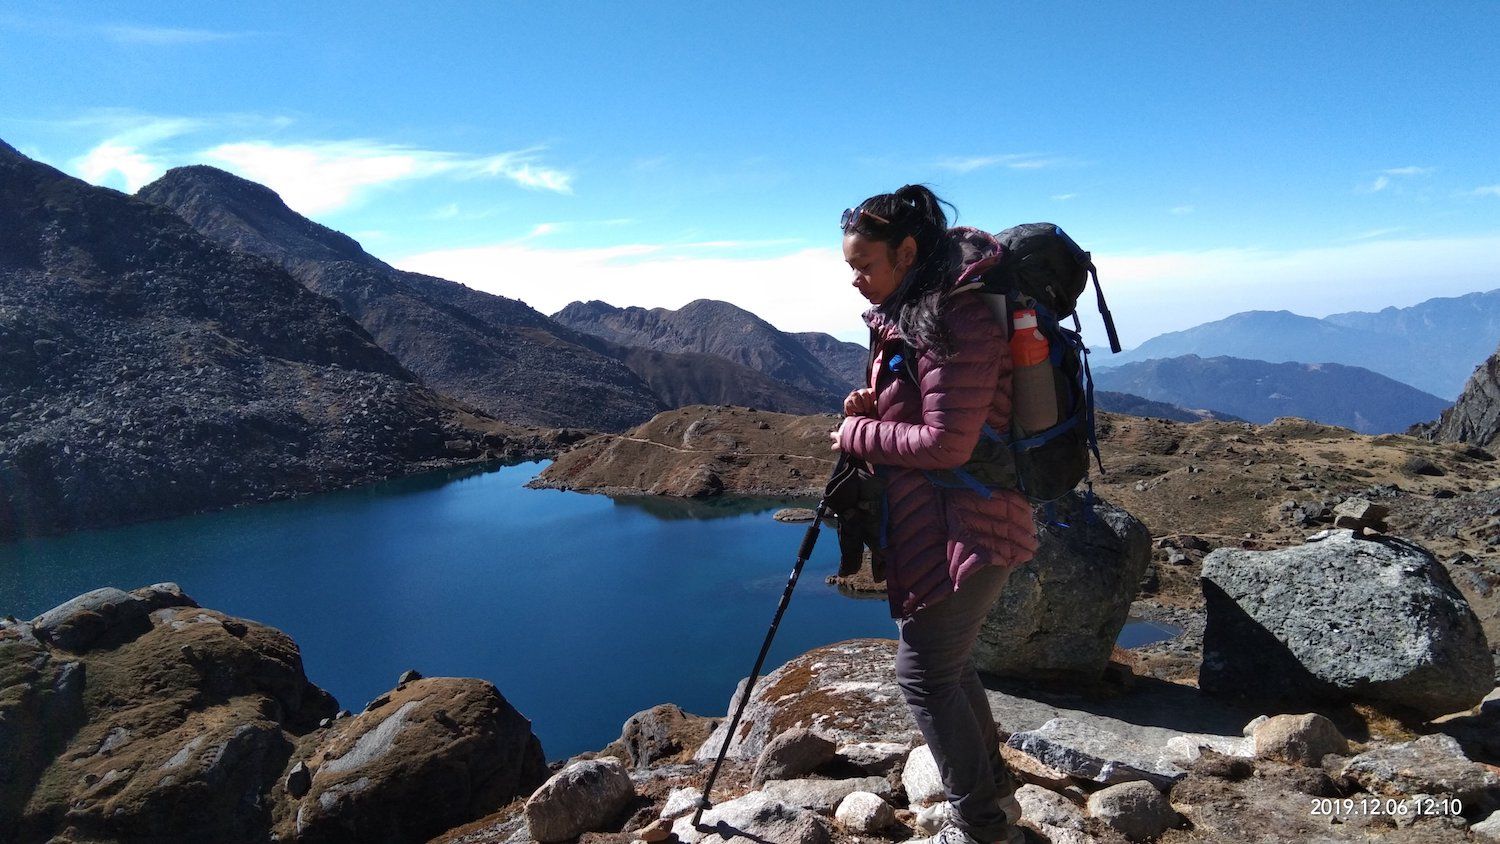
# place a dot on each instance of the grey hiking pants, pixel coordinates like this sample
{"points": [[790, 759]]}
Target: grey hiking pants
{"points": [[943, 691]]}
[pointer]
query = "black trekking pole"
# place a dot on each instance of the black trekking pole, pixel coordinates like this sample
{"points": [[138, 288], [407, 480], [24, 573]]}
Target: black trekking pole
{"points": [[808, 540]]}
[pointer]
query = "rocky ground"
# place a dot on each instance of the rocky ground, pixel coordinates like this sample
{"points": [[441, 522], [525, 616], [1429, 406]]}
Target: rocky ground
{"points": [[827, 753], [141, 716]]}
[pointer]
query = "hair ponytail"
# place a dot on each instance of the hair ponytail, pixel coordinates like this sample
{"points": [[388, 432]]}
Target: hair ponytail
{"points": [[917, 304]]}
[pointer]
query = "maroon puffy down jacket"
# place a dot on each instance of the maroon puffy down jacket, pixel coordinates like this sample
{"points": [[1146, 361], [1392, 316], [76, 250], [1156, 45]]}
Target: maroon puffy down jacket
{"points": [[938, 537]]}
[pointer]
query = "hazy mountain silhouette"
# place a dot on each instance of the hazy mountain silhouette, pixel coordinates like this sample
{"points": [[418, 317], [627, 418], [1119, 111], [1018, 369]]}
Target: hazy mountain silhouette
{"points": [[718, 328], [1433, 345], [1356, 398]]}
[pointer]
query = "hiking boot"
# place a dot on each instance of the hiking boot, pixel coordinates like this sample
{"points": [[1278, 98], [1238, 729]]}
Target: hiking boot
{"points": [[951, 834], [931, 820]]}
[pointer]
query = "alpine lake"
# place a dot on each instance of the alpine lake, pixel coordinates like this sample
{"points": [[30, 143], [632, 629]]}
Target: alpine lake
{"points": [[582, 609]]}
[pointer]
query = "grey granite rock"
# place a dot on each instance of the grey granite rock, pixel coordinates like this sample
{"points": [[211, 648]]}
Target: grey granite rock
{"points": [[1342, 618], [865, 813], [823, 796], [795, 752], [1136, 810], [1298, 739], [920, 778], [1059, 614], [101, 615], [847, 691], [754, 817], [1094, 754], [580, 798], [1434, 765]]}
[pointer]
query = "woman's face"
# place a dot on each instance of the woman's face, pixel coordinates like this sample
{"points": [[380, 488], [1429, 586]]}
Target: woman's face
{"points": [[877, 267]]}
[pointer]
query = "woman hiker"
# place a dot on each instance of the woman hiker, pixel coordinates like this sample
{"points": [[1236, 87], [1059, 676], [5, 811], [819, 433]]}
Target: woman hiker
{"points": [[941, 370]]}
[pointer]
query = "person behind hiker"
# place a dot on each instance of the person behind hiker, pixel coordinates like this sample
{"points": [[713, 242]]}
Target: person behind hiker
{"points": [[940, 371]]}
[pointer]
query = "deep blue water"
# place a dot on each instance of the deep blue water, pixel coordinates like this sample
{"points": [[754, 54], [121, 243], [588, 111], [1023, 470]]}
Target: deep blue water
{"points": [[582, 609]]}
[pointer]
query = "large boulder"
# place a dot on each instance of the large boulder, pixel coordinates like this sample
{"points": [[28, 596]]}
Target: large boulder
{"points": [[1091, 753], [425, 757], [1342, 618], [582, 797], [1060, 614], [663, 733], [142, 716], [846, 692]]}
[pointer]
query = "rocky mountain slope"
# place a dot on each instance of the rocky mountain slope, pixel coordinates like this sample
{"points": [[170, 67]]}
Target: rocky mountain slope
{"points": [[1132, 405], [1331, 393], [1433, 345], [494, 353], [1475, 417], [721, 329], [147, 372]]}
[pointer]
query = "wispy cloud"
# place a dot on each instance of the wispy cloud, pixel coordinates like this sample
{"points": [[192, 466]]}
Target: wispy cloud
{"points": [[313, 176], [1387, 177], [1012, 161], [1064, 197], [1181, 210], [1487, 190], [164, 36], [1374, 233]]}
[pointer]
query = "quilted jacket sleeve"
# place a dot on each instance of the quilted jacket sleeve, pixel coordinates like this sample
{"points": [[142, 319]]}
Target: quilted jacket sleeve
{"points": [[957, 396]]}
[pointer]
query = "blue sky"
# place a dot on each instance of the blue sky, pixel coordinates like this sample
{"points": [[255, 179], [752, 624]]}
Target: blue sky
{"points": [[1261, 156]]}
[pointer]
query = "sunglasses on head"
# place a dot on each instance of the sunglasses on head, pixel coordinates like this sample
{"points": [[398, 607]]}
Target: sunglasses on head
{"points": [[852, 216]]}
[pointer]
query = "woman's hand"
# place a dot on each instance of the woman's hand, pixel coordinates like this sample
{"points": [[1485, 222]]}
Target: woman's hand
{"points": [[860, 403], [834, 435]]}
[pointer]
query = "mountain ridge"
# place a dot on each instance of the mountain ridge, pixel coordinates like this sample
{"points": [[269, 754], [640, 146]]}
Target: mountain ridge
{"points": [[148, 372], [495, 353], [1433, 345], [1260, 391]]}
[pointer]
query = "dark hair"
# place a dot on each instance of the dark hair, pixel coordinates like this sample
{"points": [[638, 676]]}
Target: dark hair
{"points": [[917, 304]]}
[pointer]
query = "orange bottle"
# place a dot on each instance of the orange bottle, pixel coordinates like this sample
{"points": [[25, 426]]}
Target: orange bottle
{"points": [[1033, 390]]}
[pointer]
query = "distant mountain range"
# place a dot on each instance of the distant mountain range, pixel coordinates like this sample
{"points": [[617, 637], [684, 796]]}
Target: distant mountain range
{"points": [[1332, 393], [146, 371], [1433, 346], [818, 364], [1132, 405]]}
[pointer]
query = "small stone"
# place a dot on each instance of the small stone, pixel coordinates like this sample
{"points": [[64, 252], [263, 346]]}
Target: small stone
{"points": [[1048, 808], [680, 802], [873, 757], [658, 830], [1487, 829], [1135, 809], [792, 754], [378, 702], [921, 779], [298, 780], [823, 796], [1298, 739], [865, 813], [409, 676]]}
